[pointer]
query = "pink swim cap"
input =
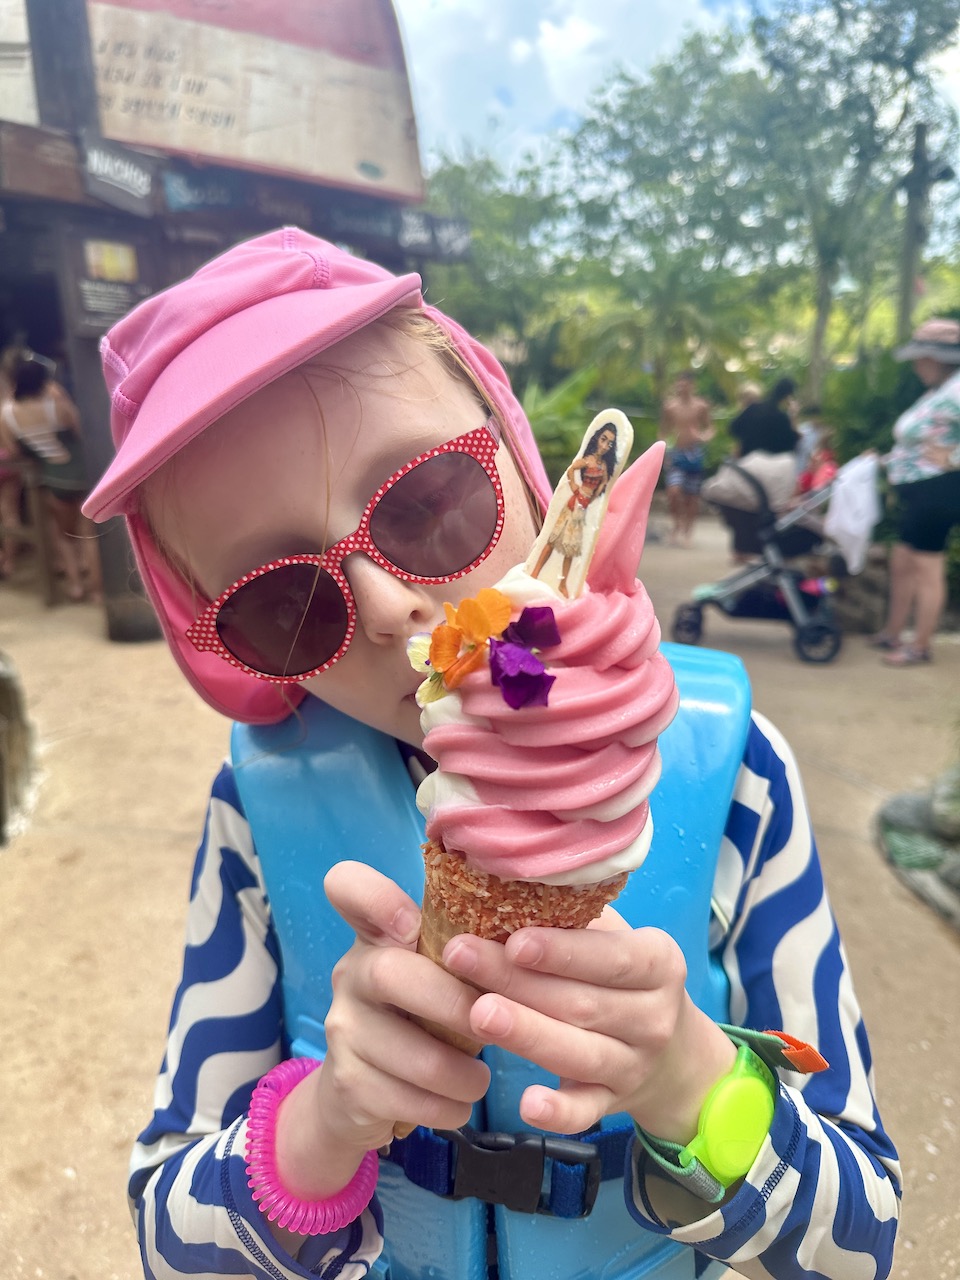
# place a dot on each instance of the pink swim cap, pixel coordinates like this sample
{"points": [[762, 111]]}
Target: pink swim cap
{"points": [[186, 356]]}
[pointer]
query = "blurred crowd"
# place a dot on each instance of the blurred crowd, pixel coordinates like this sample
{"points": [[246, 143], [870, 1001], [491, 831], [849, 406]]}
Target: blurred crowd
{"points": [[788, 451]]}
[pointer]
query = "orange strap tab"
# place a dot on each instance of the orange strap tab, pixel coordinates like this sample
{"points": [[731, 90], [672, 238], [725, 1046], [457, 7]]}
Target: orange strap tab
{"points": [[801, 1056], [780, 1051]]}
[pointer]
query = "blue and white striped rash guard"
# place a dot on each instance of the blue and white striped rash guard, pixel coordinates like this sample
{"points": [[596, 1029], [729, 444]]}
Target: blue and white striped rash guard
{"points": [[821, 1200]]}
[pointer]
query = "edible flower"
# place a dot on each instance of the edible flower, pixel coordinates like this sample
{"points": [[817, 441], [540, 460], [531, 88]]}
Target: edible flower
{"points": [[478, 630], [459, 645], [520, 676], [536, 628], [418, 655], [515, 669]]}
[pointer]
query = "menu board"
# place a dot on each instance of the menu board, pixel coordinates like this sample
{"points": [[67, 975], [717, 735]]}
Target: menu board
{"points": [[313, 89]]}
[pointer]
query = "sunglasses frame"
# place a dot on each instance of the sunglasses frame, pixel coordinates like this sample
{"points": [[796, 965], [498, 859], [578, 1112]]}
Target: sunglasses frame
{"points": [[481, 444]]}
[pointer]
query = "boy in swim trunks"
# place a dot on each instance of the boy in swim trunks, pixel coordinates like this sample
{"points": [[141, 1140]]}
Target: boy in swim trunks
{"points": [[686, 426]]}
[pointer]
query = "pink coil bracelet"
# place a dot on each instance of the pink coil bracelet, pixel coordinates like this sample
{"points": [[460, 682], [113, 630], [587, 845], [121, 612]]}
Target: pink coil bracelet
{"points": [[306, 1217]]}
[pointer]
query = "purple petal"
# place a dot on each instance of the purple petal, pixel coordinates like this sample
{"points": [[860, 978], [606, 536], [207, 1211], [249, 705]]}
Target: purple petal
{"points": [[527, 690], [521, 677], [508, 659], [536, 628]]}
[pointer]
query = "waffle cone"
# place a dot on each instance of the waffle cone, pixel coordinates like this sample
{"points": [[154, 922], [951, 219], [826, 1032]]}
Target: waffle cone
{"points": [[462, 899]]}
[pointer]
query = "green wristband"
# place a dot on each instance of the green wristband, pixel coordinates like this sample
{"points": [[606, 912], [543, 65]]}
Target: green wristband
{"points": [[734, 1122]]}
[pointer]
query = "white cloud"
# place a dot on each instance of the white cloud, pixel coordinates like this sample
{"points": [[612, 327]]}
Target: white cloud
{"points": [[947, 71], [503, 73], [520, 51], [572, 53]]}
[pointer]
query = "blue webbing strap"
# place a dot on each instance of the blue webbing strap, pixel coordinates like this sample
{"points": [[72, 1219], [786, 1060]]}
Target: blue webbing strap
{"points": [[568, 1181], [426, 1159]]}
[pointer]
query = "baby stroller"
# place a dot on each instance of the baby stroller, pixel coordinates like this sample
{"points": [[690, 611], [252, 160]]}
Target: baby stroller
{"points": [[767, 587]]}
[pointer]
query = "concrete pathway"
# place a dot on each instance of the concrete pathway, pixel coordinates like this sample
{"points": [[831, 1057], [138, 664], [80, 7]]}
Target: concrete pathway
{"points": [[96, 879]]}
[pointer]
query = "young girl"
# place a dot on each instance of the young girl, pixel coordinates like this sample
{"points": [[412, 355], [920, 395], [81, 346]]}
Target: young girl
{"points": [[311, 462]]}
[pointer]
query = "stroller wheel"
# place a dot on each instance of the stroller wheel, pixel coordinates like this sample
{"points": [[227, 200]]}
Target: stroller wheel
{"points": [[687, 624], [818, 641]]}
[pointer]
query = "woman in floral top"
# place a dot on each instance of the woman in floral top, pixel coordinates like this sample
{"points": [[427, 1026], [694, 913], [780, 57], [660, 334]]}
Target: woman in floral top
{"points": [[924, 468]]}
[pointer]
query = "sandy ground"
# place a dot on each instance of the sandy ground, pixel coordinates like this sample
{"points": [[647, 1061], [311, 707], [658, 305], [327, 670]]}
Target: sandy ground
{"points": [[95, 885]]}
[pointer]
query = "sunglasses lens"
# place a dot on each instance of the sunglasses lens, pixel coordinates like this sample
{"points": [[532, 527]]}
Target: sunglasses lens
{"points": [[437, 519], [287, 621]]}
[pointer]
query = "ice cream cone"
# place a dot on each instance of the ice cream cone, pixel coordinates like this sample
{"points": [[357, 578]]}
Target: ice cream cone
{"points": [[541, 706]]}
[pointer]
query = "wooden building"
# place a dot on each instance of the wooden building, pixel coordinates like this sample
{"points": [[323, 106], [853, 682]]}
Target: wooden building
{"points": [[140, 137]]}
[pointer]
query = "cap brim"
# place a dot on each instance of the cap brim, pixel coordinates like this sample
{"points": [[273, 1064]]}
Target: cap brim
{"points": [[244, 352]]}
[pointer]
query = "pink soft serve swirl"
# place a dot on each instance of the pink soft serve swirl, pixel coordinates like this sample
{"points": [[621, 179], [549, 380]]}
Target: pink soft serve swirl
{"points": [[544, 774]]}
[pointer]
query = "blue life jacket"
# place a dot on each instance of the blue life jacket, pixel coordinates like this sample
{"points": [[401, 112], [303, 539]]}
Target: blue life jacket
{"points": [[319, 788]]}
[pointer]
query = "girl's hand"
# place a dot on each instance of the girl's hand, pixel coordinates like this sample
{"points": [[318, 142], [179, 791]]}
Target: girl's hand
{"points": [[380, 1067], [605, 1009]]}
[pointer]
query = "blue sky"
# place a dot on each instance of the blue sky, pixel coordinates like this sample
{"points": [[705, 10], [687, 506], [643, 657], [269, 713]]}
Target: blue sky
{"points": [[501, 74]]}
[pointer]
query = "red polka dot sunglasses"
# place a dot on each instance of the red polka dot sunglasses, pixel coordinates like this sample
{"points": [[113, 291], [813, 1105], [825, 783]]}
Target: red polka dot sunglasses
{"points": [[432, 521]]}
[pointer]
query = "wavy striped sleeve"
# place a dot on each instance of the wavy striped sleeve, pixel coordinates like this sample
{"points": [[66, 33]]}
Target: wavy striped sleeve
{"points": [[188, 1189], [822, 1198]]}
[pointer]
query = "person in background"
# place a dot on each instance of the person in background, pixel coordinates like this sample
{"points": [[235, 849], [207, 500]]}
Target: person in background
{"points": [[809, 429], [817, 461], [11, 487], [686, 425], [767, 424], [764, 427], [41, 422], [923, 469]]}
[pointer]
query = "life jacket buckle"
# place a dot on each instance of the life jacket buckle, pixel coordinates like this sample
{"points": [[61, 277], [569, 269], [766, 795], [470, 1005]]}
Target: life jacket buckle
{"points": [[510, 1168]]}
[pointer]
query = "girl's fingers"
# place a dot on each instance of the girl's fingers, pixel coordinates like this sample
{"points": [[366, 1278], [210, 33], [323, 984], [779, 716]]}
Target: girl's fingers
{"points": [[567, 1050], [403, 1050], [606, 955], [379, 1098], [423, 989], [609, 919], [376, 909], [549, 967], [373, 978], [570, 1109]]}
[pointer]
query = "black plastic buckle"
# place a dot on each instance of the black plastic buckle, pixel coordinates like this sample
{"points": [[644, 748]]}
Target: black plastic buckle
{"points": [[508, 1168]]}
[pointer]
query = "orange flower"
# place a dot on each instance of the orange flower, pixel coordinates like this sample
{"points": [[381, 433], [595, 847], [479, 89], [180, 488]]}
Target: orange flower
{"points": [[459, 645], [482, 617]]}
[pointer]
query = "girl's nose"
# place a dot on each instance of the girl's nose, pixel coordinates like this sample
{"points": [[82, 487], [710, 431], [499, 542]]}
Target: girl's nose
{"points": [[387, 606]]}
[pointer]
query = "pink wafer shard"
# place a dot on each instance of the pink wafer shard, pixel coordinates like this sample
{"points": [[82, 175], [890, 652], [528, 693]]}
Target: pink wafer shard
{"points": [[624, 529]]}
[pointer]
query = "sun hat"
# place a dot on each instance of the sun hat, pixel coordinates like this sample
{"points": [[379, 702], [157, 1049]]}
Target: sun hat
{"points": [[186, 356], [936, 339]]}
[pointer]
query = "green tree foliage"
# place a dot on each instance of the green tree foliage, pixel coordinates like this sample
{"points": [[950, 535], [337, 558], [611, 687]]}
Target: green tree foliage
{"points": [[846, 84], [776, 150], [737, 208], [559, 417], [509, 273], [861, 403]]}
